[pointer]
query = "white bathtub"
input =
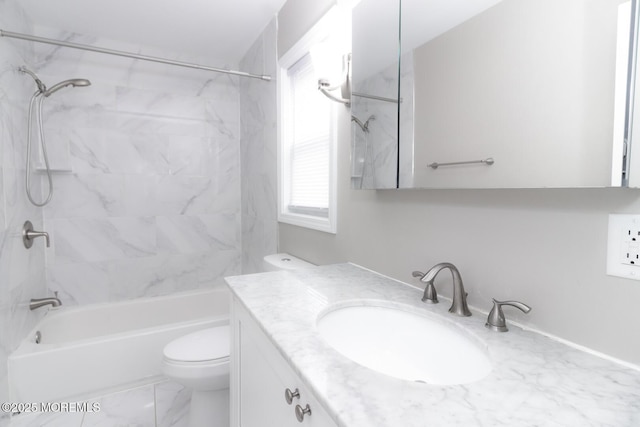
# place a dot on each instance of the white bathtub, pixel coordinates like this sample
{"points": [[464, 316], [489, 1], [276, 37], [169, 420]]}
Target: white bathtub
{"points": [[95, 349]]}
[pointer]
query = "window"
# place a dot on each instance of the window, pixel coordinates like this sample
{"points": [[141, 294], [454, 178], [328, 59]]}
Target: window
{"points": [[307, 160]]}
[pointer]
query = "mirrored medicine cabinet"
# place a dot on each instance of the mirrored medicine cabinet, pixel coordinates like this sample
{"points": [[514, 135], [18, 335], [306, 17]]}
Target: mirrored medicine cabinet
{"points": [[493, 94]]}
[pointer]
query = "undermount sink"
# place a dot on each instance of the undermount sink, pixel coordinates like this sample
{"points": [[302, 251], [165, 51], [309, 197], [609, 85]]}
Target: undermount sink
{"points": [[405, 345]]}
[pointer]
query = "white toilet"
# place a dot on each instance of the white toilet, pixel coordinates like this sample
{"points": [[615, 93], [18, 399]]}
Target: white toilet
{"points": [[284, 261], [200, 361]]}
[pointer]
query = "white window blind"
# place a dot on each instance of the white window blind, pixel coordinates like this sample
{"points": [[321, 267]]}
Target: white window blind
{"points": [[310, 142]]}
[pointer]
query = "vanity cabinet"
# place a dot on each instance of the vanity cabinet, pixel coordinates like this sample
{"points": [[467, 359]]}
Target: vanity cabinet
{"points": [[260, 378]]}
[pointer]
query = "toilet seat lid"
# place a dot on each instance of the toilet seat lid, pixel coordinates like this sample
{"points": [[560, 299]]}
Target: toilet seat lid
{"points": [[199, 346]]}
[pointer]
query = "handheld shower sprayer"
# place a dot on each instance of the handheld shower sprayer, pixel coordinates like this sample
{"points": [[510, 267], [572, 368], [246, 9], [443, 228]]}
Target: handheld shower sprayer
{"points": [[36, 102], [42, 89], [72, 82]]}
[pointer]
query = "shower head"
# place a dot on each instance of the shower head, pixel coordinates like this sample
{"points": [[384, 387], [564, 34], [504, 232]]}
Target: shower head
{"points": [[72, 82], [364, 126]]}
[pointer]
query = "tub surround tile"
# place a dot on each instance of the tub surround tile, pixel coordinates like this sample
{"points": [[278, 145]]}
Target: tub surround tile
{"points": [[117, 280], [253, 250], [71, 282], [58, 153], [190, 156], [21, 270], [114, 152], [86, 196], [212, 85], [154, 157], [96, 239], [166, 274], [159, 104], [194, 234], [226, 159], [140, 196], [185, 195], [535, 381], [258, 147]]}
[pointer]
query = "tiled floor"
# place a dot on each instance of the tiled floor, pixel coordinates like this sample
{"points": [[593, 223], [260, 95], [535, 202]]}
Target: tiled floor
{"points": [[157, 405]]}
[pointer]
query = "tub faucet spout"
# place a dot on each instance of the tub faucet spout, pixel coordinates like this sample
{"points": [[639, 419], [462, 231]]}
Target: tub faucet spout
{"points": [[40, 302], [459, 305]]}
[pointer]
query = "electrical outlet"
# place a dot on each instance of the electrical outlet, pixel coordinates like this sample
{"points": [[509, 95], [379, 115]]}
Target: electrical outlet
{"points": [[623, 254], [630, 245]]}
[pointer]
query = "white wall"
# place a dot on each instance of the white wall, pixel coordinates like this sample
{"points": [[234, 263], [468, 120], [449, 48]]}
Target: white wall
{"points": [[544, 247], [296, 17]]}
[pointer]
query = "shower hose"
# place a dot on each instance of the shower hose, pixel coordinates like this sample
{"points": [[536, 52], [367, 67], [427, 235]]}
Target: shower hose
{"points": [[36, 102]]}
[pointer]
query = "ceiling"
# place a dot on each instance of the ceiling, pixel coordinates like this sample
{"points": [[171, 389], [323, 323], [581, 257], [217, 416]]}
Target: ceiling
{"points": [[222, 30]]}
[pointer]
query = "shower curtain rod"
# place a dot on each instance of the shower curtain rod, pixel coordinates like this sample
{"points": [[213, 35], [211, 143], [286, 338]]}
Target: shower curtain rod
{"points": [[10, 34]]}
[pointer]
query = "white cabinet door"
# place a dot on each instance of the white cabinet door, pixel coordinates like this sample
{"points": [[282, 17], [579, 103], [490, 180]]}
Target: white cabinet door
{"points": [[259, 378]]}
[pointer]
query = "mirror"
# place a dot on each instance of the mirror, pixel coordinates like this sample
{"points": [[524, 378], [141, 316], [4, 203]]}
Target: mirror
{"points": [[374, 94], [490, 93]]}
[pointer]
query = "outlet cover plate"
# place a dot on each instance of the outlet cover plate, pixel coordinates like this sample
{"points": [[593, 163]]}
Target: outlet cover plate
{"points": [[624, 246]]}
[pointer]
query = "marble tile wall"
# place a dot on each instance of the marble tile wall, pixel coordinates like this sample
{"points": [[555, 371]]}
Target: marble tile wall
{"points": [[147, 183], [259, 152], [21, 270]]}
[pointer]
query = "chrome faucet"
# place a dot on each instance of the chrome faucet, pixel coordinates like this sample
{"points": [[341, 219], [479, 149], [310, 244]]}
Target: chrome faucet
{"points": [[459, 305], [39, 302]]}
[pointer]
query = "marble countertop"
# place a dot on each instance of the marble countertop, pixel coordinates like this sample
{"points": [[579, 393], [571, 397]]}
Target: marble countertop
{"points": [[535, 381]]}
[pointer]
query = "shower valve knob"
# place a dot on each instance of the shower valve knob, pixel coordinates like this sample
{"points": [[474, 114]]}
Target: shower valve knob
{"points": [[28, 234]]}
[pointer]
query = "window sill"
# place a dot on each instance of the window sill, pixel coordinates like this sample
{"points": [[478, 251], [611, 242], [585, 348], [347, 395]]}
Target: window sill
{"points": [[315, 223]]}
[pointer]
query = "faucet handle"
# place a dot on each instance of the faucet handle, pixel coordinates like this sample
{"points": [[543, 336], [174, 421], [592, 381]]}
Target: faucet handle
{"points": [[28, 234], [430, 294], [496, 320]]}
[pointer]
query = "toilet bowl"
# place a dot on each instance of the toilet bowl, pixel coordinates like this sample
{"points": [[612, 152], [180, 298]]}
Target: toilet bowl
{"points": [[200, 362]]}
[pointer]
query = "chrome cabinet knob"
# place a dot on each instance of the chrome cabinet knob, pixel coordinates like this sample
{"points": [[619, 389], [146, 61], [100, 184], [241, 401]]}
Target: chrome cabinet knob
{"points": [[301, 412], [496, 320], [290, 395]]}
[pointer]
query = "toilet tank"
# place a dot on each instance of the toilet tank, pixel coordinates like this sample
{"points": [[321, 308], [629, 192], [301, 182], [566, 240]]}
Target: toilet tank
{"points": [[283, 261]]}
